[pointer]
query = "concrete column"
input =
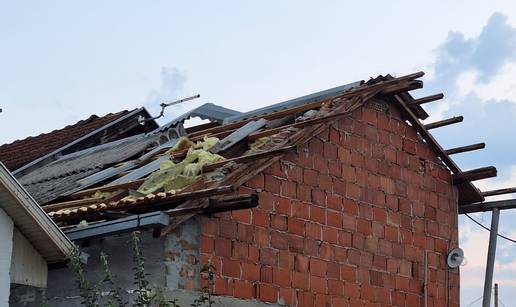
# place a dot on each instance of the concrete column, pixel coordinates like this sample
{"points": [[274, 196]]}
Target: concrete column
{"points": [[6, 237]]}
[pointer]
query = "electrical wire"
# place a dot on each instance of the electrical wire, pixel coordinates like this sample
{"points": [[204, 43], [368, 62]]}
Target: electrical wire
{"points": [[489, 229], [499, 300], [478, 299]]}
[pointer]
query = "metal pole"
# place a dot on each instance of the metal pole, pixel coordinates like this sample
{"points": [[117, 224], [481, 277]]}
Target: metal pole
{"points": [[496, 296], [491, 253]]}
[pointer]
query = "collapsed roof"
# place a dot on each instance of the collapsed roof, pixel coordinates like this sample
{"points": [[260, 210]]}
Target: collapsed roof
{"points": [[199, 167]]}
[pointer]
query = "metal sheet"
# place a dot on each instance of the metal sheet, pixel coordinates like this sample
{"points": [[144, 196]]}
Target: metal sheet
{"points": [[240, 134], [293, 102], [153, 219]]}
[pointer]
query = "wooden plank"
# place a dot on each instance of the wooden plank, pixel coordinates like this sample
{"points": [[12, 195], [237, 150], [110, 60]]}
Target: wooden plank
{"points": [[467, 148], [488, 206], [72, 203], [309, 106], [109, 188], [427, 99], [444, 122], [256, 135], [499, 192], [474, 174], [246, 158]]}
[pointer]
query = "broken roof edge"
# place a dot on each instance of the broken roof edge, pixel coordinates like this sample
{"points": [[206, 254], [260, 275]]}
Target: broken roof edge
{"points": [[310, 98], [30, 219], [26, 168]]}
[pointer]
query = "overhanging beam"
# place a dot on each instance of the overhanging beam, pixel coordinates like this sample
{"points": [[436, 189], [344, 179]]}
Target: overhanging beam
{"points": [[427, 99], [153, 220], [474, 174], [488, 206], [467, 148], [444, 122]]}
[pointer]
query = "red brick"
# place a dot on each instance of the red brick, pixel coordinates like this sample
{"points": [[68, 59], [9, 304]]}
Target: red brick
{"points": [[379, 215], [305, 299], [296, 226], [268, 293], [244, 289], [261, 218], [318, 284], [364, 226], [250, 271], [279, 222], [318, 267], [240, 251], [228, 229], [334, 218], [301, 263], [314, 231], [352, 191], [300, 210], [266, 274], [335, 287], [288, 189], [207, 245], [330, 234], [223, 247], [231, 268], [317, 214], [257, 182], [279, 240], [243, 216], [310, 177], [300, 280], [261, 237], [272, 184], [269, 256], [281, 277]]}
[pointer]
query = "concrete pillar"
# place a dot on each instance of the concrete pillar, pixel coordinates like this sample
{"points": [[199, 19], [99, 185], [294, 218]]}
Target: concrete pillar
{"points": [[6, 237]]}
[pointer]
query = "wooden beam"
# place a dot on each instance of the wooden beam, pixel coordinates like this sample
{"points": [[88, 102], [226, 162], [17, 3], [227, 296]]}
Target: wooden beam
{"points": [[474, 174], [472, 147], [499, 192], [488, 206], [427, 99], [444, 122], [70, 204], [246, 158]]}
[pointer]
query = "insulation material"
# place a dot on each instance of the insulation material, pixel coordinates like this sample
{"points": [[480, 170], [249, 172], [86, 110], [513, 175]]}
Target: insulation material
{"points": [[258, 143], [182, 144], [173, 177]]}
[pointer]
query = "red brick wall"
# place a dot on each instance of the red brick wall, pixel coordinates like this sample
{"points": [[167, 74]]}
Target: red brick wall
{"points": [[344, 221]]}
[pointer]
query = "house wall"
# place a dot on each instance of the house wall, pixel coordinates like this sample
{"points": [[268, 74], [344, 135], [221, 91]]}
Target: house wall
{"points": [[27, 266], [345, 220], [6, 239]]}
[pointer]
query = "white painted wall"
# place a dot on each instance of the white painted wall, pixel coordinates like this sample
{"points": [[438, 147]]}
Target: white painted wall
{"points": [[6, 241], [27, 265]]}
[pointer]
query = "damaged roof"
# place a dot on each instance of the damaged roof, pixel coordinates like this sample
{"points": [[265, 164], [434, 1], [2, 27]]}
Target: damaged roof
{"points": [[184, 172]]}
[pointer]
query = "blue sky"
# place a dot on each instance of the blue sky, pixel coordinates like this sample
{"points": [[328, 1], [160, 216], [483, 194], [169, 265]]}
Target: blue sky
{"points": [[61, 61]]}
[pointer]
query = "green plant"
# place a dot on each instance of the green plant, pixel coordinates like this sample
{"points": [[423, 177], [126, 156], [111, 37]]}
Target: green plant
{"points": [[208, 274], [88, 292]]}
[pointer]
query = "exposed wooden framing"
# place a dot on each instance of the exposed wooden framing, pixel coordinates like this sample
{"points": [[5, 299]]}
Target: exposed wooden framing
{"points": [[488, 206], [467, 148], [499, 192], [473, 193], [229, 203], [72, 203], [444, 122], [427, 99], [302, 124], [474, 174], [394, 88], [110, 188], [246, 158], [201, 127]]}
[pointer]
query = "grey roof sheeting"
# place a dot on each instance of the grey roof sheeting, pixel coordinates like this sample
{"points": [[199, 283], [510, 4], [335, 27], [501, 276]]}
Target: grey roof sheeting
{"points": [[293, 102], [64, 176], [207, 111]]}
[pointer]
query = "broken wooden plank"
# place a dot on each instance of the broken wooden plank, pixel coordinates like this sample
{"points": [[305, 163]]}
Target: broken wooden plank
{"points": [[256, 135], [499, 192], [488, 206], [72, 203], [444, 122], [224, 204], [246, 158], [427, 99], [467, 148], [474, 174]]}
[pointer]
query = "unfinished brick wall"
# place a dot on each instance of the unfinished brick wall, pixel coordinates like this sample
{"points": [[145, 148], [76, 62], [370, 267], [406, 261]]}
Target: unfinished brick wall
{"points": [[344, 221]]}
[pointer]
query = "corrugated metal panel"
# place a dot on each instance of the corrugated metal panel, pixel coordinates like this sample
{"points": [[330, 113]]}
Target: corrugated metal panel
{"points": [[207, 111], [293, 102]]}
